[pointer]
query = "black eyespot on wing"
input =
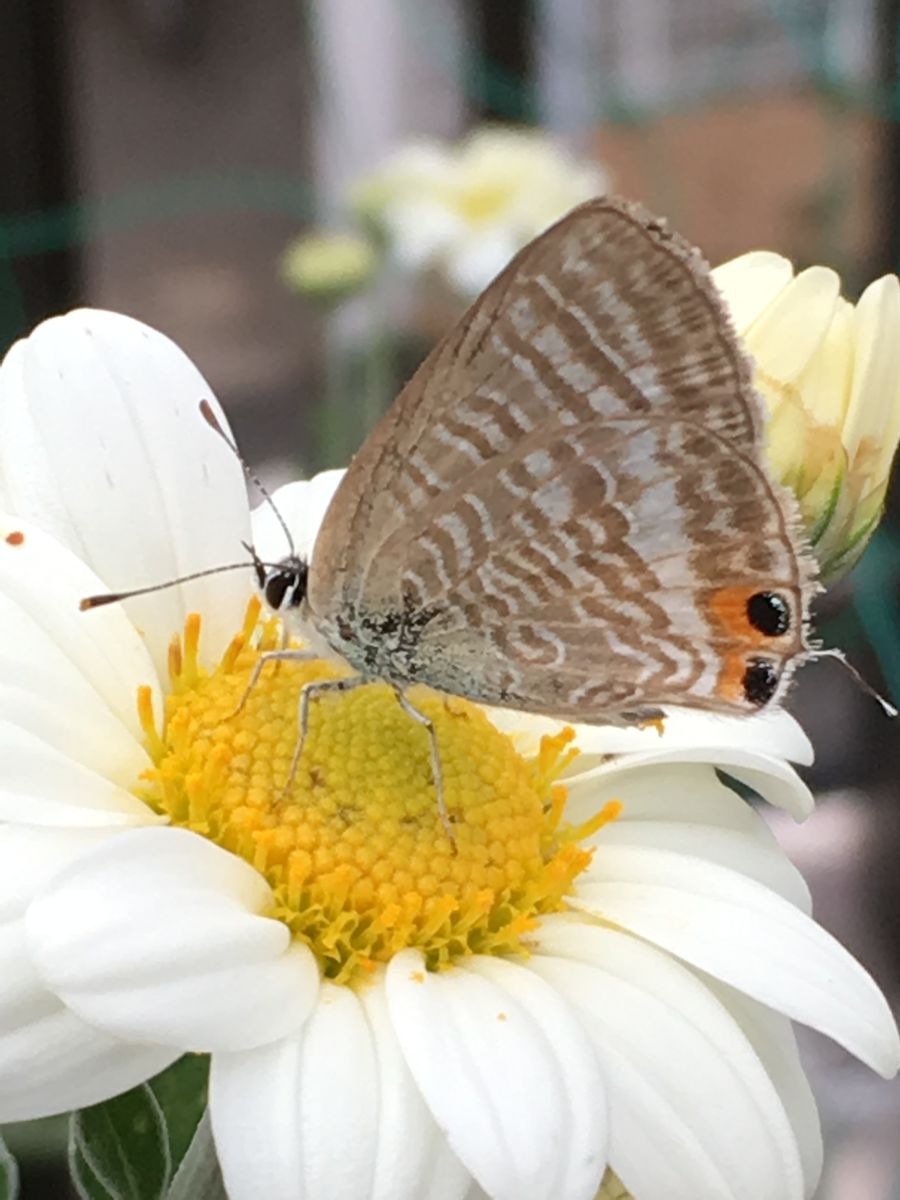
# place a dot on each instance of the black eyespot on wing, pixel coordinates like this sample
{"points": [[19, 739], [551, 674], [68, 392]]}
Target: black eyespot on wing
{"points": [[769, 613], [276, 588], [760, 681]]}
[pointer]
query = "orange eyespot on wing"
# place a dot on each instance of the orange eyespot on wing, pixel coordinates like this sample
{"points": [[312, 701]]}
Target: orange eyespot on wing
{"points": [[730, 684], [751, 620], [16, 538], [750, 616]]}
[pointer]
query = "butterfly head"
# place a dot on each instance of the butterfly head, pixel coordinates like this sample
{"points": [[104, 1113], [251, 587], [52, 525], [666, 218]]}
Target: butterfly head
{"points": [[283, 584]]}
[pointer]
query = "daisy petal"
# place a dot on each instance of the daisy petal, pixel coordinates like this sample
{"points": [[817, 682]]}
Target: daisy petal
{"points": [[43, 787], [743, 933], [99, 657], [690, 792], [298, 1118], [302, 506], [50, 1061], [506, 1071], [772, 1037], [693, 1112], [685, 807], [771, 734], [102, 445], [794, 324], [875, 374], [751, 282], [413, 1160], [447, 1178], [754, 857], [157, 936], [771, 778], [30, 857]]}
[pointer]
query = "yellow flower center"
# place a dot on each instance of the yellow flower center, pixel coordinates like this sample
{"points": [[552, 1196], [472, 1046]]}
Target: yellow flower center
{"points": [[483, 199], [353, 846]]}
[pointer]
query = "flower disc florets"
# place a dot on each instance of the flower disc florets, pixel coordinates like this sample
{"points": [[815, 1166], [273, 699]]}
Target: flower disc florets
{"points": [[353, 847]]}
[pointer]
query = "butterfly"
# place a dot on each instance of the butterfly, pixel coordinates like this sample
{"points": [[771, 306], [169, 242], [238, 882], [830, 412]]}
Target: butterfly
{"points": [[567, 510]]}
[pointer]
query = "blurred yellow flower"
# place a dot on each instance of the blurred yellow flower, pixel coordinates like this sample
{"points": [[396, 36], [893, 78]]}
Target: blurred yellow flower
{"points": [[329, 266], [465, 209], [830, 373]]}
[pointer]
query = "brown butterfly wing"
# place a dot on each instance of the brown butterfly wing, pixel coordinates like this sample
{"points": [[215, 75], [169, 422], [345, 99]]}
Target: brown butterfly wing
{"points": [[567, 409]]}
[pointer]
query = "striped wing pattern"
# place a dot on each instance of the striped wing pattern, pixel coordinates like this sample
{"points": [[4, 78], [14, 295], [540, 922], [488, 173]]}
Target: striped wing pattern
{"points": [[553, 510]]}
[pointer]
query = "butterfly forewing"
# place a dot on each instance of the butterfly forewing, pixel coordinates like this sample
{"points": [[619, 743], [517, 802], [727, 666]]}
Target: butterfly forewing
{"points": [[566, 509]]}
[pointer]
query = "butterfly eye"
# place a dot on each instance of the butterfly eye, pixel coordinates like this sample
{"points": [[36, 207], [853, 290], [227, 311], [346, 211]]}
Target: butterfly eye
{"points": [[760, 681], [769, 613], [276, 587]]}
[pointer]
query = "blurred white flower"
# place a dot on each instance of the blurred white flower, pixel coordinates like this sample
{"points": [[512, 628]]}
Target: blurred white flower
{"points": [[465, 209], [830, 372], [603, 972]]}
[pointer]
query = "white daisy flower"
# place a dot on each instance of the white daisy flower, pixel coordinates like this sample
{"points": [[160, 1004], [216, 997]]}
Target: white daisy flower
{"points": [[464, 209], [603, 974]]}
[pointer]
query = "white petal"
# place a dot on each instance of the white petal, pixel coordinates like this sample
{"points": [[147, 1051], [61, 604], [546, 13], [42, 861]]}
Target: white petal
{"points": [[102, 444], [44, 690], [772, 778], [30, 857], [506, 1071], [420, 230], [40, 786], [98, 657], [302, 506], [50, 1061], [751, 282], [447, 1178], [478, 256], [690, 792], [789, 331], [773, 733], [772, 1037], [746, 935], [692, 1111], [413, 1160], [774, 781], [296, 1120], [157, 936], [753, 857], [823, 388], [685, 807], [874, 407]]}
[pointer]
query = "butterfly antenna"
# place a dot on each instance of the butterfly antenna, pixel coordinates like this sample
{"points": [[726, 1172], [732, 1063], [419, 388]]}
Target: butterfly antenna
{"points": [[841, 657], [114, 597], [213, 422]]}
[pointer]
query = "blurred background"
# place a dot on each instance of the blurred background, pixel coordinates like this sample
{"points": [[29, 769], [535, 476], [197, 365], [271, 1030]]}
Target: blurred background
{"points": [[162, 157]]}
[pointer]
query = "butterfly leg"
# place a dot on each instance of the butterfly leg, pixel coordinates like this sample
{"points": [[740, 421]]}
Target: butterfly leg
{"points": [[437, 771], [258, 667], [307, 694]]}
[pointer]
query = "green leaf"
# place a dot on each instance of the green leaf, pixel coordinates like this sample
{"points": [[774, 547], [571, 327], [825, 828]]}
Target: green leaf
{"points": [[9, 1174], [119, 1150], [181, 1092], [198, 1177], [132, 1147]]}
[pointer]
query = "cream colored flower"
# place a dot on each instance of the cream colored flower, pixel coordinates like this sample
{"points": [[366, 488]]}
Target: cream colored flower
{"points": [[830, 371], [603, 973], [465, 209]]}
